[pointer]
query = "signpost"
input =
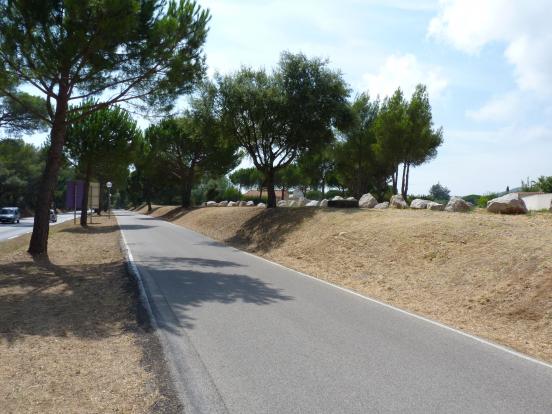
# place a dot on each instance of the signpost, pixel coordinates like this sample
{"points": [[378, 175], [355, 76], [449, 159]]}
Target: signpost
{"points": [[109, 185]]}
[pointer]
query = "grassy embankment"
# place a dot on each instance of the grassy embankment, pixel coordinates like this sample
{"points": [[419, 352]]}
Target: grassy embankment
{"points": [[489, 275]]}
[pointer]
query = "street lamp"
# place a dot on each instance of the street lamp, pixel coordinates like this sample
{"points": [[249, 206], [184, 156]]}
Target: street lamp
{"points": [[109, 185]]}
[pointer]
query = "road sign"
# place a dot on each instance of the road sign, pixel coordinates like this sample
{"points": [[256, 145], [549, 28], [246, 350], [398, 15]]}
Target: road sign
{"points": [[74, 194], [94, 195]]}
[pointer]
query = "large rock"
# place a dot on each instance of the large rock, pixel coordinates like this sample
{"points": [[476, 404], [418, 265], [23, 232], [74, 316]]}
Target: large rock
{"points": [[397, 201], [337, 198], [301, 202], [211, 204], [324, 203], [282, 203], [242, 203], [383, 205], [261, 205], [419, 204], [507, 204], [351, 199], [457, 205], [367, 201], [250, 204], [223, 203], [312, 203], [432, 205], [232, 204]]}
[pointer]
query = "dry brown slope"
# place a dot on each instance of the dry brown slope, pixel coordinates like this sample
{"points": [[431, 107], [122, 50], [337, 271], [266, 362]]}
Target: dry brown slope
{"points": [[489, 275]]}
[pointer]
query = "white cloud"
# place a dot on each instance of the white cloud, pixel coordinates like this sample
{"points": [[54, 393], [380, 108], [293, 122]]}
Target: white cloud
{"points": [[405, 71], [522, 26], [498, 109]]}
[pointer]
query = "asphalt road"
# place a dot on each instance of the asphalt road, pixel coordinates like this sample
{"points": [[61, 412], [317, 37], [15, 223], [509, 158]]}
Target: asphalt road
{"points": [[244, 335], [10, 231]]}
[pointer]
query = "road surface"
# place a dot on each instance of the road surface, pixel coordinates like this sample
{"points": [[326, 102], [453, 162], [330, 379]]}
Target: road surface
{"points": [[10, 231], [244, 335]]}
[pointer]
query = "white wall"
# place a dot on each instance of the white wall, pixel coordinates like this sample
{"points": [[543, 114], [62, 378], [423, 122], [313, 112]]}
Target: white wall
{"points": [[538, 202]]}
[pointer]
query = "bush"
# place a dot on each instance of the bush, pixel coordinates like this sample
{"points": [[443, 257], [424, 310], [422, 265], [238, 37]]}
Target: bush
{"points": [[472, 198], [482, 201], [332, 193], [231, 194], [314, 195]]}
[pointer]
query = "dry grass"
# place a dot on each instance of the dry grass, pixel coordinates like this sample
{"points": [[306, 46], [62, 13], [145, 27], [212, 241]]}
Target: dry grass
{"points": [[489, 275], [69, 338]]}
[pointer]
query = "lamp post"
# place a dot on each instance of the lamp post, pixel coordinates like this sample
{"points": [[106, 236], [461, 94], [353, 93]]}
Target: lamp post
{"points": [[109, 185]]}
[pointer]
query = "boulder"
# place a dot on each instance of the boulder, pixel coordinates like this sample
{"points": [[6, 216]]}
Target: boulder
{"points": [[367, 201], [232, 204], [324, 203], [432, 205], [261, 205], [312, 203], [301, 202], [383, 205], [337, 198], [507, 204], [282, 203], [211, 204], [419, 204], [242, 204], [250, 203], [351, 198], [397, 201], [457, 205], [223, 203]]}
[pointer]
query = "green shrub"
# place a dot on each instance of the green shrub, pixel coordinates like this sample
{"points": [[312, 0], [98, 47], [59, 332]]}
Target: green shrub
{"points": [[482, 201], [231, 194], [332, 193], [314, 195]]}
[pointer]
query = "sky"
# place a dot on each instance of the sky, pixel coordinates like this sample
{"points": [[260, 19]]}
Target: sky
{"points": [[487, 65]]}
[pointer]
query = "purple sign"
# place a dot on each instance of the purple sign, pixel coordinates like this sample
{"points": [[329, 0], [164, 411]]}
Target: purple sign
{"points": [[75, 193]]}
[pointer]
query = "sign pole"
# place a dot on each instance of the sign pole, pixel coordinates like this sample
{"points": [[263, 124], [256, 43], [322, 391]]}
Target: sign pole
{"points": [[74, 202]]}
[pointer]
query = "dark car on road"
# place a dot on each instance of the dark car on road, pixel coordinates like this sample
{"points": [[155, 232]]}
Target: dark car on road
{"points": [[9, 215]]}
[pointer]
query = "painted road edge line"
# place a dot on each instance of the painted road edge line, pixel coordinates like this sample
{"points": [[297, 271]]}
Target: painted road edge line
{"points": [[368, 298]]}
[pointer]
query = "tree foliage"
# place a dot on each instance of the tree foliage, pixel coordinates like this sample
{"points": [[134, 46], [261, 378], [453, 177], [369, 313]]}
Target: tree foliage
{"points": [[102, 145], [114, 51], [261, 111]]}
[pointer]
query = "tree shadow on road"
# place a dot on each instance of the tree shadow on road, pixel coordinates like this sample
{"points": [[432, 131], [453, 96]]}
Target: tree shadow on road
{"points": [[188, 289]]}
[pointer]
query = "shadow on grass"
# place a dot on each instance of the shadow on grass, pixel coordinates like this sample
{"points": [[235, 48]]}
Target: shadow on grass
{"points": [[269, 228], [38, 297]]}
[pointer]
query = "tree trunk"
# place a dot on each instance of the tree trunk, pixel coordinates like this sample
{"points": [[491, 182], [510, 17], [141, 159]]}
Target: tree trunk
{"points": [[403, 182], [271, 202], [41, 227], [84, 206], [186, 194], [394, 178], [407, 180], [283, 192], [261, 192]]}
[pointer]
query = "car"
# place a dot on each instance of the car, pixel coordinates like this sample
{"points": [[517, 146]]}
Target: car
{"points": [[53, 216], [9, 215]]}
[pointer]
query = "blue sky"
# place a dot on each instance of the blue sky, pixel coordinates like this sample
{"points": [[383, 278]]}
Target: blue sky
{"points": [[487, 65]]}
